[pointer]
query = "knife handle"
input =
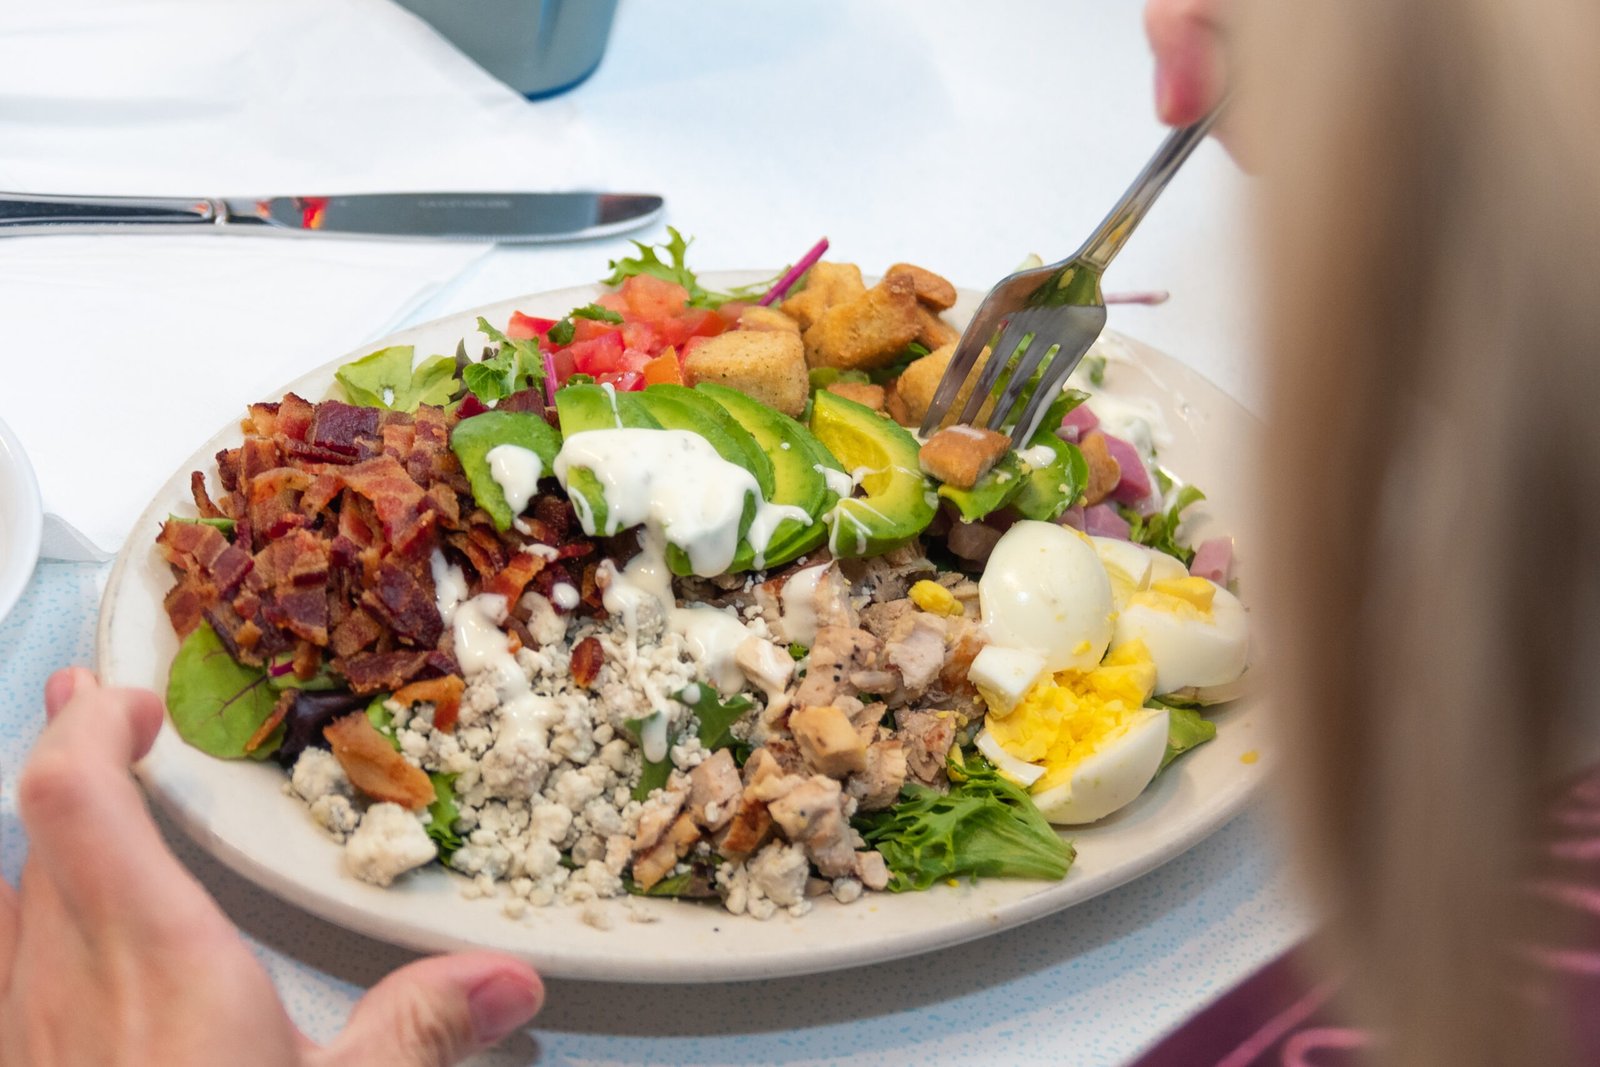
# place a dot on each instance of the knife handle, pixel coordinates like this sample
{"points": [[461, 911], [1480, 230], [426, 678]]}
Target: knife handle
{"points": [[36, 213]]}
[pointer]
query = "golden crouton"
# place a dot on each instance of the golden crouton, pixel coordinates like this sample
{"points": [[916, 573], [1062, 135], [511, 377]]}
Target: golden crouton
{"points": [[932, 290], [868, 331], [894, 404], [827, 284], [861, 392], [756, 317], [960, 455], [768, 365], [916, 386], [1104, 471], [935, 332], [828, 743]]}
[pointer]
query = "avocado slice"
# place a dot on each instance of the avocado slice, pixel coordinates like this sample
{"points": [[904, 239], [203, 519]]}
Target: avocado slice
{"points": [[994, 490], [1049, 490], [797, 458], [474, 438], [586, 406], [679, 408], [898, 504]]}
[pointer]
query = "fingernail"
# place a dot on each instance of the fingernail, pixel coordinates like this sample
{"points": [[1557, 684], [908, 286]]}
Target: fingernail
{"points": [[500, 1004], [59, 689]]}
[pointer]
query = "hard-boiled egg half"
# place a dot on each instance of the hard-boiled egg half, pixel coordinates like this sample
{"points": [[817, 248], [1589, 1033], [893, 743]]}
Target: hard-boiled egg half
{"points": [[1195, 631], [1044, 590], [1085, 742]]}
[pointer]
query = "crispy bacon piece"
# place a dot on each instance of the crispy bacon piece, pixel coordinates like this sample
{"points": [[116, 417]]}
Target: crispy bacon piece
{"points": [[280, 711], [372, 764], [403, 598], [187, 601], [202, 499], [515, 576], [356, 631], [443, 693], [587, 659], [294, 417], [374, 672], [337, 427]]}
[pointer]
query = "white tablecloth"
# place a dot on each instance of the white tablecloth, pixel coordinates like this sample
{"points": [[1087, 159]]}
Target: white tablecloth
{"points": [[957, 135]]}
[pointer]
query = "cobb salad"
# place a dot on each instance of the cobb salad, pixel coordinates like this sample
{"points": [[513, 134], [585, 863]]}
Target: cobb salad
{"points": [[667, 598]]}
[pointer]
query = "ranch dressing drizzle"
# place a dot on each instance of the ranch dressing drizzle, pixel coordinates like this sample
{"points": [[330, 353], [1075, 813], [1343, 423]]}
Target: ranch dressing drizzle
{"points": [[516, 470], [672, 480], [799, 598], [839, 483], [1037, 456]]}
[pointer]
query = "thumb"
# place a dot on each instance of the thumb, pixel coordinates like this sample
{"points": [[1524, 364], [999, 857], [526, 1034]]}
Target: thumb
{"points": [[438, 1011]]}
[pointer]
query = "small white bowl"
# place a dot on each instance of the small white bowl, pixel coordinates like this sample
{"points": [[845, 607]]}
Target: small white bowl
{"points": [[21, 519]]}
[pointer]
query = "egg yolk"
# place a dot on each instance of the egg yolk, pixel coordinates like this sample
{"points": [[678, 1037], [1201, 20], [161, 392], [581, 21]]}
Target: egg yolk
{"points": [[1184, 598], [1066, 718]]}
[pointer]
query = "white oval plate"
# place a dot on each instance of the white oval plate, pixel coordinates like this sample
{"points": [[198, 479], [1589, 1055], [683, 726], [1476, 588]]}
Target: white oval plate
{"points": [[21, 520], [238, 812]]}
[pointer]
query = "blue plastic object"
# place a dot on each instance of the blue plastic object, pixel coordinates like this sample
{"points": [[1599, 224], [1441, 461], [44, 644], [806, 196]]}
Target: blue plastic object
{"points": [[538, 47]]}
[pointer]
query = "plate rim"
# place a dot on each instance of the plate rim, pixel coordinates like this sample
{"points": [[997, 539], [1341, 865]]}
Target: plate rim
{"points": [[16, 571], [806, 957]]}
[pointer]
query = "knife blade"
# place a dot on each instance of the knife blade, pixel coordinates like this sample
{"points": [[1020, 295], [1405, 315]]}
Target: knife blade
{"points": [[506, 218]]}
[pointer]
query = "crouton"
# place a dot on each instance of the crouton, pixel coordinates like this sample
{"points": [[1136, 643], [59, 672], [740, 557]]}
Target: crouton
{"points": [[934, 332], [894, 404], [932, 290], [861, 392], [915, 387], [1104, 471], [756, 317], [960, 455], [869, 331], [829, 744], [769, 365], [827, 284]]}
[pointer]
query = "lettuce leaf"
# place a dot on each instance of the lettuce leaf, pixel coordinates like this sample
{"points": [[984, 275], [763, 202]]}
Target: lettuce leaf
{"points": [[386, 379], [517, 366], [1160, 531], [216, 703], [985, 827], [1186, 729], [675, 269], [444, 813]]}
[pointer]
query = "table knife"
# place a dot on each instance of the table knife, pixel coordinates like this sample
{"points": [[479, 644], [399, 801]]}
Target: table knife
{"points": [[508, 218]]}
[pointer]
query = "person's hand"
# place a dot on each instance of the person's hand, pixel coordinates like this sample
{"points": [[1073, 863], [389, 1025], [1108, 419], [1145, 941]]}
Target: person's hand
{"points": [[110, 952], [1186, 37]]}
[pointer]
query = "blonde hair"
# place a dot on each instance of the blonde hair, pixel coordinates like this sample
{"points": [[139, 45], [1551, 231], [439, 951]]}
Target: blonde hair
{"points": [[1430, 211]]}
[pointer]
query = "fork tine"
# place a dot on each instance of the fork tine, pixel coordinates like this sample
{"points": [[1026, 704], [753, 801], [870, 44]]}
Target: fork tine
{"points": [[1040, 348], [992, 370], [955, 372], [1055, 376]]}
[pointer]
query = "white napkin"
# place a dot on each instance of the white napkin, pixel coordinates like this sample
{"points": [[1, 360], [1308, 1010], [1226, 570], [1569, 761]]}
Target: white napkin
{"points": [[122, 354]]}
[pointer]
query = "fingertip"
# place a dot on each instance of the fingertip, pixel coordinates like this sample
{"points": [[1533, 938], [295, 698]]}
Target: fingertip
{"points": [[146, 713], [504, 1000], [63, 685]]}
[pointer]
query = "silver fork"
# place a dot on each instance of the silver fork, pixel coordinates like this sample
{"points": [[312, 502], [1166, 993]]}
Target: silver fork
{"points": [[1047, 317]]}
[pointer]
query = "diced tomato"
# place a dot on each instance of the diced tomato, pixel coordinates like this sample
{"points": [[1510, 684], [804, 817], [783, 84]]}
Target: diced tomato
{"points": [[598, 356], [565, 366], [614, 302], [639, 335], [634, 360], [703, 322], [672, 331], [589, 329], [525, 327], [623, 381], [664, 368], [651, 298]]}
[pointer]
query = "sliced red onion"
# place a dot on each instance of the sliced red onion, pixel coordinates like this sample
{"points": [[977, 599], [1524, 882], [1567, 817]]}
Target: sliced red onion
{"points": [[1150, 297], [549, 377], [793, 274]]}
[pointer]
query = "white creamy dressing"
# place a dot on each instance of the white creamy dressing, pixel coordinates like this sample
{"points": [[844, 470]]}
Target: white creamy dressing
{"points": [[484, 652], [713, 637], [653, 737], [1137, 420], [1037, 456], [839, 483], [674, 481], [564, 596], [799, 598], [516, 470]]}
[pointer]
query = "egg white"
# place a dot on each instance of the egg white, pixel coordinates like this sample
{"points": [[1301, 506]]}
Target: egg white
{"points": [[1190, 652], [1044, 589], [1112, 776]]}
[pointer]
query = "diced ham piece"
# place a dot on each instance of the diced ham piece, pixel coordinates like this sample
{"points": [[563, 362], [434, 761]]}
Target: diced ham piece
{"points": [[1102, 520], [1135, 484], [1214, 560], [1072, 517], [1077, 422]]}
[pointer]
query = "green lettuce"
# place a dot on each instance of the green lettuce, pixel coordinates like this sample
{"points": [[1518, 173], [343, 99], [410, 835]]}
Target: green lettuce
{"points": [[1160, 531], [674, 268], [1186, 729], [386, 379], [517, 366], [216, 703], [443, 815], [985, 827]]}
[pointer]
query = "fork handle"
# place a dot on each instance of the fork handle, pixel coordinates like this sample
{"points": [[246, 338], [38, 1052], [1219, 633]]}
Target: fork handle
{"points": [[1113, 232]]}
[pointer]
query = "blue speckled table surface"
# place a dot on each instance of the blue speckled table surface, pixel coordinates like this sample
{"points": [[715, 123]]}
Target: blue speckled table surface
{"points": [[1092, 985]]}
